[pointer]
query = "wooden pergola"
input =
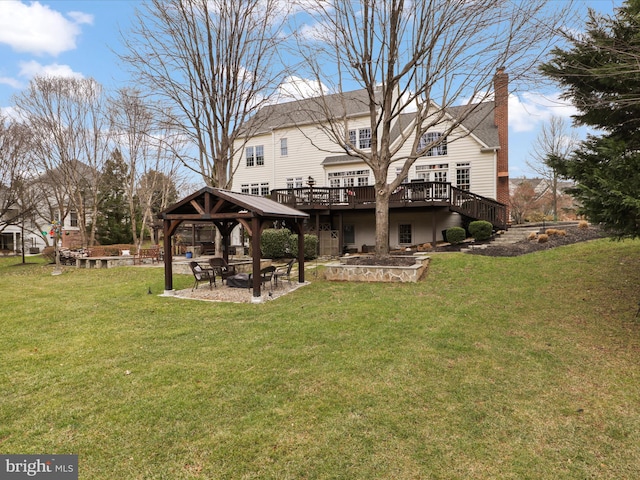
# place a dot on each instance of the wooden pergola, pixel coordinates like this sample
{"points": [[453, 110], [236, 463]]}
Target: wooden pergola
{"points": [[226, 209]]}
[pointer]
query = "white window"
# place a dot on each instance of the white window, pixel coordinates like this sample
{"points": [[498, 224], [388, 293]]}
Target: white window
{"points": [[249, 155], [73, 218], [428, 139], [463, 176], [264, 189], [294, 182], [364, 138], [433, 173], [284, 149], [404, 234], [255, 189], [260, 155], [360, 138], [244, 188], [349, 178], [254, 155]]}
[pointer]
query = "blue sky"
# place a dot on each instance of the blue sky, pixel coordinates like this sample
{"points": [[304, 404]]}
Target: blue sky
{"points": [[77, 37]]}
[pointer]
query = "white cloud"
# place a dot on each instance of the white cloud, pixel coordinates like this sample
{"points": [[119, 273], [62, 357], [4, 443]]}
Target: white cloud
{"points": [[81, 18], [37, 29], [530, 109], [296, 88], [12, 82], [32, 68]]}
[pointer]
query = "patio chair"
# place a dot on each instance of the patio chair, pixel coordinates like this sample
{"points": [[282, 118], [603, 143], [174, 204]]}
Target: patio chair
{"points": [[222, 268], [202, 275], [266, 275], [283, 272]]}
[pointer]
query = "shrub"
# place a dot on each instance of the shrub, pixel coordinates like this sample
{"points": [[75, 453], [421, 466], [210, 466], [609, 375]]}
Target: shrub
{"points": [[456, 235], [275, 243], [532, 236], [583, 224], [310, 246], [543, 238], [480, 230], [562, 233], [551, 232]]}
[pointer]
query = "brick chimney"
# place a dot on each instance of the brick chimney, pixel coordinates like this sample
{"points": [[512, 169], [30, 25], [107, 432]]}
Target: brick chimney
{"points": [[501, 120]]}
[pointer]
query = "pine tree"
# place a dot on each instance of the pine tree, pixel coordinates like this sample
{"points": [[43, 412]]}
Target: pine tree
{"points": [[601, 75], [114, 222]]}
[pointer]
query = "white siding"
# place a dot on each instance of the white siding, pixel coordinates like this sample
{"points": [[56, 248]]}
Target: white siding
{"points": [[308, 146]]}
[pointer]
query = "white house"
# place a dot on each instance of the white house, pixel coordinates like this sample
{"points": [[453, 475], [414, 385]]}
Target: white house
{"points": [[290, 158]]}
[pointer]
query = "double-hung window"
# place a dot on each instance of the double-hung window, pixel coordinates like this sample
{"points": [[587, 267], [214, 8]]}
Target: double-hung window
{"points": [[260, 155], [364, 138], [284, 148], [360, 138], [250, 156], [428, 139], [254, 155]]}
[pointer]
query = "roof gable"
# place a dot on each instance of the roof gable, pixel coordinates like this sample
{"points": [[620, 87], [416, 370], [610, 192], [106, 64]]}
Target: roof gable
{"points": [[211, 203]]}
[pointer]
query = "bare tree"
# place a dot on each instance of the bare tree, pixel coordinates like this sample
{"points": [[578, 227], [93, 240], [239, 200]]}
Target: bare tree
{"points": [[132, 123], [148, 142], [554, 144], [213, 63], [16, 201], [416, 60], [69, 122]]}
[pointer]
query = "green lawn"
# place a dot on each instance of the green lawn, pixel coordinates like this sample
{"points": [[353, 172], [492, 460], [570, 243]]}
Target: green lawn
{"points": [[490, 368]]}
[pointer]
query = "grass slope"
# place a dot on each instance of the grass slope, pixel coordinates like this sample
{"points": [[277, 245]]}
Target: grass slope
{"points": [[490, 368]]}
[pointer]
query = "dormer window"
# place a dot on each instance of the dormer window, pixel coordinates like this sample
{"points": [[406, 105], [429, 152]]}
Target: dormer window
{"points": [[429, 138]]}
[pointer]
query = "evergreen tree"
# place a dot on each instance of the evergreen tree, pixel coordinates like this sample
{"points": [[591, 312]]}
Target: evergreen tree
{"points": [[601, 75], [114, 222]]}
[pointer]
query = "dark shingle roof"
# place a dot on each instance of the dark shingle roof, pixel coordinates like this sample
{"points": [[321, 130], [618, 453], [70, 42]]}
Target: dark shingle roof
{"points": [[315, 110]]}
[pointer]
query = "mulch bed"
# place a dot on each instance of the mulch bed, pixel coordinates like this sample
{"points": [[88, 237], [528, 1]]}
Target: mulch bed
{"points": [[574, 235]]}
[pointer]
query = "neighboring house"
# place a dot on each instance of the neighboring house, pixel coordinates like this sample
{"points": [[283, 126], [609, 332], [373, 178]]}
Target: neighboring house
{"points": [[14, 224], [56, 205], [464, 178]]}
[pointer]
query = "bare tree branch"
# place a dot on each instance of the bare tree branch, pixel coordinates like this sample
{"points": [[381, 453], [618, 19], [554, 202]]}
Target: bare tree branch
{"points": [[213, 63]]}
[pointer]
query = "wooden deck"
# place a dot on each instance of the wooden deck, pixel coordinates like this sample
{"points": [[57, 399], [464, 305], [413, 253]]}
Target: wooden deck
{"points": [[408, 195]]}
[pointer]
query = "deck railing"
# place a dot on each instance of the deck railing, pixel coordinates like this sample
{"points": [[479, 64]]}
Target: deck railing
{"points": [[408, 194]]}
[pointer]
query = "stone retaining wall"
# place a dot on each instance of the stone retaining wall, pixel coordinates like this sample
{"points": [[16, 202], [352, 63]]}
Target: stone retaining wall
{"points": [[338, 271]]}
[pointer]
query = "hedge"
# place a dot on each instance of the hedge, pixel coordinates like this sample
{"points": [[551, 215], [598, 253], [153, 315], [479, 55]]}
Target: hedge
{"points": [[480, 230], [456, 235]]}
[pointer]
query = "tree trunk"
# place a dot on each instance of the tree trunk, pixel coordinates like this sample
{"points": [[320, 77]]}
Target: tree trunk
{"points": [[382, 221]]}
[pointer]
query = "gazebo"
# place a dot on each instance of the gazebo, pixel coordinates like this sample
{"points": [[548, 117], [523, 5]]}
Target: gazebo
{"points": [[226, 209]]}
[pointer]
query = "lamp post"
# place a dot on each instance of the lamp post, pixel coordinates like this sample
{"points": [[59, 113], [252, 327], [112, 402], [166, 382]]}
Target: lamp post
{"points": [[311, 182]]}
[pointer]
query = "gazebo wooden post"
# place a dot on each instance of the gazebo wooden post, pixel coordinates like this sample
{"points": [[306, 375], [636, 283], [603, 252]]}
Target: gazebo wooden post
{"points": [[168, 256], [255, 247], [300, 228]]}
